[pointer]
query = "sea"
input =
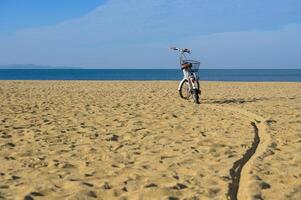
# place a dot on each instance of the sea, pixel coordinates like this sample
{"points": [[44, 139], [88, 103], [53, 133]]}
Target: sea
{"points": [[247, 75]]}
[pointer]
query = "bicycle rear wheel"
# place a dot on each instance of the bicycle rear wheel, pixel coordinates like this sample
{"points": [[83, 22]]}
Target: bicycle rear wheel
{"points": [[196, 96]]}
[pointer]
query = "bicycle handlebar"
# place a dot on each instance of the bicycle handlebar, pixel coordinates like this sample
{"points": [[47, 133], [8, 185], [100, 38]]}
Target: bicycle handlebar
{"points": [[181, 50]]}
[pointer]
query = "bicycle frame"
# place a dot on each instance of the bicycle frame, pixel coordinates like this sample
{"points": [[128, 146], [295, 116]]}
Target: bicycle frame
{"points": [[191, 77]]}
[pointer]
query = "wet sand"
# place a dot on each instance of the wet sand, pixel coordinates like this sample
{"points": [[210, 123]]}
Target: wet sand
{"points": [[139, 140]]}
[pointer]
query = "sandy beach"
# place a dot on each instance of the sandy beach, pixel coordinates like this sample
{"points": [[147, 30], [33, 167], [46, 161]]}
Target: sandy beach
{"points": [[140, 140]]}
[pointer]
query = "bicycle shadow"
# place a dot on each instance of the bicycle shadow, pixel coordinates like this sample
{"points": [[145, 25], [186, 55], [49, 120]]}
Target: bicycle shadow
{"points": [[234, 100]]}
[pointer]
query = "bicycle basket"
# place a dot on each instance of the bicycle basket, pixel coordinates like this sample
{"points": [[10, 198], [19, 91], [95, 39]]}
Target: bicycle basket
{"points": [[194, 65]]}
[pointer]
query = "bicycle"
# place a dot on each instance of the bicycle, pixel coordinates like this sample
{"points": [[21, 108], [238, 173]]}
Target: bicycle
{"points": [[189, 86]]}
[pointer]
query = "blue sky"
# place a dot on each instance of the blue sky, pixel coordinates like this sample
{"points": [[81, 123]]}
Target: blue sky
{"points": [[138, 33], [20, 14]]}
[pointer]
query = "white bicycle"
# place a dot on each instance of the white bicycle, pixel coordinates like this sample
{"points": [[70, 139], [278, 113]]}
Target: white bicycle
{"points": [[189, 86]]}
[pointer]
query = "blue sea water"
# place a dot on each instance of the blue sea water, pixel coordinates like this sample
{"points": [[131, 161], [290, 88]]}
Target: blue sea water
{"points": [[284, 75]]}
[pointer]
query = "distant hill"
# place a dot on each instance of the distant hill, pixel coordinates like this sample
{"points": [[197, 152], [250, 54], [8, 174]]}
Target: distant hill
{"points": [[32, 66]]}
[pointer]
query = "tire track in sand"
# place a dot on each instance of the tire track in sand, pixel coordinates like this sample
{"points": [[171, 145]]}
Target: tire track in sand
{"points": [[240, 172]]}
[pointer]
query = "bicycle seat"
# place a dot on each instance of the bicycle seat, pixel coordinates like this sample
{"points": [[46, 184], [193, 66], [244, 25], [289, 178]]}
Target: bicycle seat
{"points": [[186, 65]]}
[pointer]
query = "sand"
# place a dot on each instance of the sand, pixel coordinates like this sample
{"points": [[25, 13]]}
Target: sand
{"points": [[139, 140]]}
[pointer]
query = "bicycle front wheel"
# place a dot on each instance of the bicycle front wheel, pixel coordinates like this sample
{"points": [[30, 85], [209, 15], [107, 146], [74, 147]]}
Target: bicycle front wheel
{"points": [[184, 90]]}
